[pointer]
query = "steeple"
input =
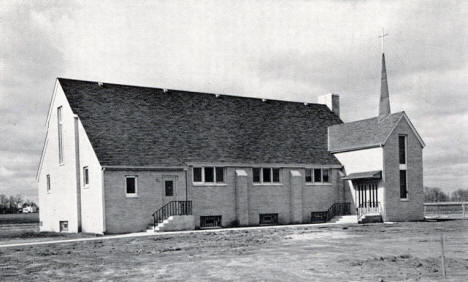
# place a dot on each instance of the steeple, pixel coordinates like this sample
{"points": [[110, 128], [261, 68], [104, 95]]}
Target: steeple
{"points": [[384, 105]]}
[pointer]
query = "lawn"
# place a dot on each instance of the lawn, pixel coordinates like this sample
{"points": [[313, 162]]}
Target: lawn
{"points": [[400, 251]]}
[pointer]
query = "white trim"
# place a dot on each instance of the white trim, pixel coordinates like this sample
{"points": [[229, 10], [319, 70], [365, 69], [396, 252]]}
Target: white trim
{"points": [[421, 142], [131, 195], [252, 164]]}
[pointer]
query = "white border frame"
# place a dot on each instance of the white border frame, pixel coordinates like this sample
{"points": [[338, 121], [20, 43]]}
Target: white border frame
{"points": [[131, 195]]}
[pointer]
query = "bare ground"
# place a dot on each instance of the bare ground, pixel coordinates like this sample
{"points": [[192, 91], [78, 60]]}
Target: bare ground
{"points": [[401, 251]]}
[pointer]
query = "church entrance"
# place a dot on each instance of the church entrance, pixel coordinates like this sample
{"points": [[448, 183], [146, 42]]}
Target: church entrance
{"points": [[367, 194]]}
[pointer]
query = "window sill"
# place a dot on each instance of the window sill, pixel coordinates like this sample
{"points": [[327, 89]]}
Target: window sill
{"points": [[267, 184], [61, 164], [318, 184], [404, 200], [86, 186], [131, 196], [209, 184]]}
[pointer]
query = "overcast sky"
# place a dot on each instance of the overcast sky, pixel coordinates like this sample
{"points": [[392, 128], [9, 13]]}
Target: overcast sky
{"points": [[293, 50]]}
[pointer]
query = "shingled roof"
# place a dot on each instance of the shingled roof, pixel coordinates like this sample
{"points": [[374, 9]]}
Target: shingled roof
{"points": [[141, 126], [361, 134]]}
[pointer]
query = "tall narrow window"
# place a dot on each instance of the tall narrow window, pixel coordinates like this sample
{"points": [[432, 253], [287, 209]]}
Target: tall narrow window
{"points": [[308, 175], [197, 174], [402, 148], [85, 176], [276, 175], [131, 186], [318, 175], [256, 174], [169, 188], [326, 175], [209, 174], [48, 182], [219, 174], [403, 186], [60, 134]]}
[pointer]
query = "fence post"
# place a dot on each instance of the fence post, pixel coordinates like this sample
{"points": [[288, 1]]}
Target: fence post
{"points": [[444, 274]]}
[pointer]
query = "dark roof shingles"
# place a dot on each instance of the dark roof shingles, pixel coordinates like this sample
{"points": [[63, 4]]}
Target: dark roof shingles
{"points": [[362, 133], [140, 126]]}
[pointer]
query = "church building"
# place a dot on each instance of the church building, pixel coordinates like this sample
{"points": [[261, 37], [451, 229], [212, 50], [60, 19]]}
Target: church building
{"points": [[120, 158]]}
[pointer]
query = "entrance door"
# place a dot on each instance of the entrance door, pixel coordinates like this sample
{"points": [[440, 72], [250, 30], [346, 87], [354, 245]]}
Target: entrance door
{"points": [[169, 190], [367, 194]]}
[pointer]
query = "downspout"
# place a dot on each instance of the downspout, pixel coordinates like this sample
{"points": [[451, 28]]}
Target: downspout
{"points": [[103, 201], [78, 177]]}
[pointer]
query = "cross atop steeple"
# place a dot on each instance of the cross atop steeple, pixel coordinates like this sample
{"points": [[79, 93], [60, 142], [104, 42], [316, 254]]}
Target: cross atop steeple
{"points": [[383, 38]]}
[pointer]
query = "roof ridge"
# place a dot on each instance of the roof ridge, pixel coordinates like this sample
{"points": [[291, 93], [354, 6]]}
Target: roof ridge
{"points": [[194, 92]]}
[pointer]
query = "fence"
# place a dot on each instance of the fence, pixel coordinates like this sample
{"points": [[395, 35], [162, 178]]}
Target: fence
{"points": [[446, 210]]}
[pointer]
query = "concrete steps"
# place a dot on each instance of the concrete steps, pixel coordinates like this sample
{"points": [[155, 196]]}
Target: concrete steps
{"points": [[371, 218], [344, 219], [174, 223]]}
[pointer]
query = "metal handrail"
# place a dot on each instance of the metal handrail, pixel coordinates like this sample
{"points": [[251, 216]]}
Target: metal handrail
{"points": [[334, 210], [170, 209]]}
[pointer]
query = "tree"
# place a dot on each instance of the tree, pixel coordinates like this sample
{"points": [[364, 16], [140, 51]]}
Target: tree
{"points": [[434, 194], [459, 195]]}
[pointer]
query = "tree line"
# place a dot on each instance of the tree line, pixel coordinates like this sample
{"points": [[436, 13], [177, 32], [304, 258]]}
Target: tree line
{"points": [[435, 194], [14, 204]]}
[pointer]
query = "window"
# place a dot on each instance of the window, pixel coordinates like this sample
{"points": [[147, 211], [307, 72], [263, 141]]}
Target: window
{"points": [[208, 175], [85, 176], [60, 134], [169, 188], [210, 221], [402, 148], [197, 174], [220, 174], [276, 175], [131, 186], [308, 175], [266, 175], [318, 175], [268, 219], [256, 174], [63, 226], [403, 185], [48, 183]]}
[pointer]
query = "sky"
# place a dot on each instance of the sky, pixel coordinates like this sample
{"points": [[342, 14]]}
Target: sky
{"points": [[289, 50]]}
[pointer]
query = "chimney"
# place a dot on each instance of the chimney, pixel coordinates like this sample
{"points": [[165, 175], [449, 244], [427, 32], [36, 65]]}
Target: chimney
{"points": [[332, 101]]}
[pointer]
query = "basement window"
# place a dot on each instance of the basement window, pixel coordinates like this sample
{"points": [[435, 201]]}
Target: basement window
{"points": [[210, 221], [131, 186], [63, 226], [318, 175], [268, 219], [208, 175], [265, 175]]}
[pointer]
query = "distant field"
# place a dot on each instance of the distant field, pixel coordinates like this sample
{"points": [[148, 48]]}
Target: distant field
{"points": [[19, 218], [373, 252]]}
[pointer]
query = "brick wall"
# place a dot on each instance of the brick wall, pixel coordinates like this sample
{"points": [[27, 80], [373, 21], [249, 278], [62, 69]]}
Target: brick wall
{"points": [[395, 208]]}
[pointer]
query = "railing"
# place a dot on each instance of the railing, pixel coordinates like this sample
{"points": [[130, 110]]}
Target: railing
{"points": [[170, 209], [374, 208], [334, 210], [446, 210]]}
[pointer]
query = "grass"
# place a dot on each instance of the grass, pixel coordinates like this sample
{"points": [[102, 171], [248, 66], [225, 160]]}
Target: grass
{"points": [[19, 218], [401, 251]]}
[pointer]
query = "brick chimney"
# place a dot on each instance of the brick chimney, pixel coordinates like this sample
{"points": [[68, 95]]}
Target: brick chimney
{"points": [[332, 101]]}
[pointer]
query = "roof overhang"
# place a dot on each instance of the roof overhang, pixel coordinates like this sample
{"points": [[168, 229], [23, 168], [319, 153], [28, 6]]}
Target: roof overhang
{"points": [[375, 174]]}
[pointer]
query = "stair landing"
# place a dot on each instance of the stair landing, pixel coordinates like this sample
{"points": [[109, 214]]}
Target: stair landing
{"points": [[344, 219]]}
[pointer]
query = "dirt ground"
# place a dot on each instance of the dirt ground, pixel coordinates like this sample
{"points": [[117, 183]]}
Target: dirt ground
{"points": [[377, 252]]}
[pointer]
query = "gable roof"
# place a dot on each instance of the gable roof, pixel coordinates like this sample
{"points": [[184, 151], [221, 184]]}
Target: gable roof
{"points": [[142, 126], [366, 133]]}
